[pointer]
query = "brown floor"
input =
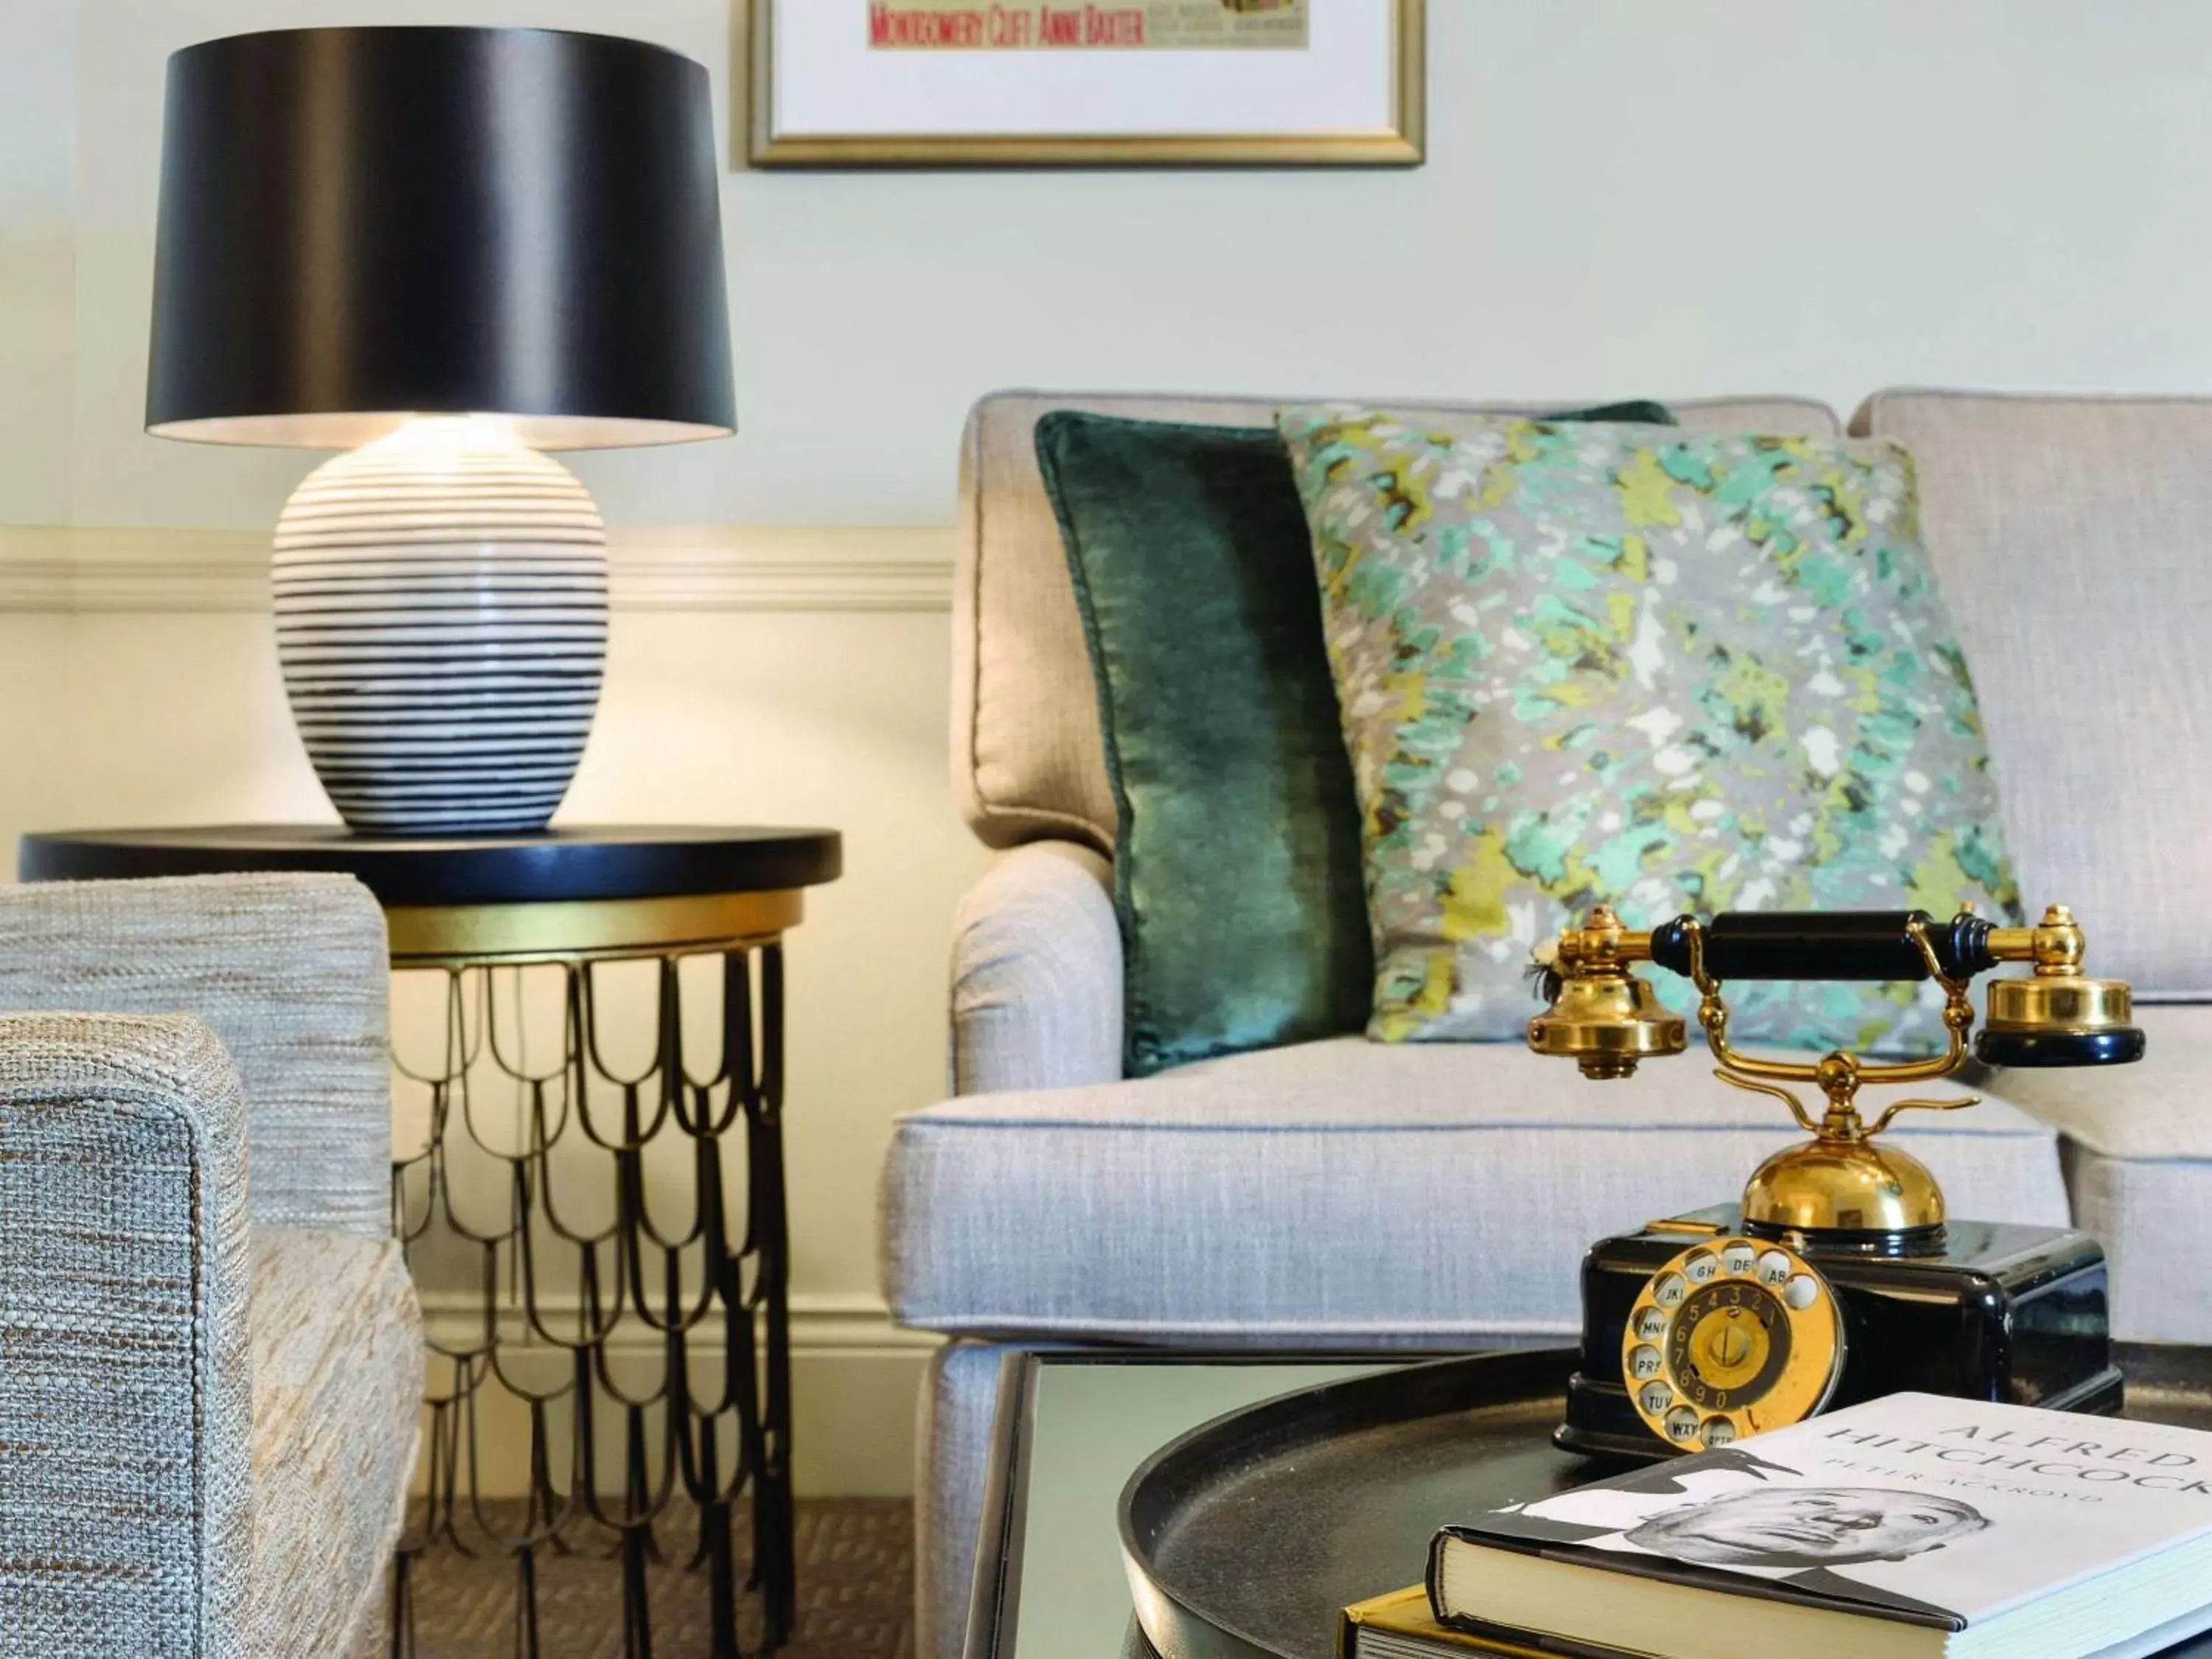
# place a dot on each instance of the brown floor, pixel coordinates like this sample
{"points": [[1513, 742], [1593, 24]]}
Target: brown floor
{"points": [[855, 1593]]}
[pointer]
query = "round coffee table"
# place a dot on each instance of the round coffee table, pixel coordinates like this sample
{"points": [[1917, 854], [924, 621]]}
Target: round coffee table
{"points": [[1244, 1538]]}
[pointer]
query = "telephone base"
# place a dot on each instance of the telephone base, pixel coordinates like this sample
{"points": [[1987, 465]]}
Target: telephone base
{"points": [[1983, 1311]]}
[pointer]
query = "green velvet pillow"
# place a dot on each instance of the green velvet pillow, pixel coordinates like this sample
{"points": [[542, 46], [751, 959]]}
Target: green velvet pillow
{"points": [[1237, 870]]}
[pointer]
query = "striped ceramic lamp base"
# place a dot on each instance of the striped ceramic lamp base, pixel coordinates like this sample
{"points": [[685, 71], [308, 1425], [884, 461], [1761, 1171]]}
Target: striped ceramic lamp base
{"points": [[441, 619]]}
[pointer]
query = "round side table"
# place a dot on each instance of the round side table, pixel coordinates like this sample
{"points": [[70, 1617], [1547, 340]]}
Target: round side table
{"points": [[708, 1283]]}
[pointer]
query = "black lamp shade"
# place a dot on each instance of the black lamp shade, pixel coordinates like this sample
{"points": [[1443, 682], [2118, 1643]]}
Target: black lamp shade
{"points": [[360, 225]]}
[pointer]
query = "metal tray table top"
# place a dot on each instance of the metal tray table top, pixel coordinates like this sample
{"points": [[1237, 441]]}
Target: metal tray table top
{"points": [[1245, 1537]]}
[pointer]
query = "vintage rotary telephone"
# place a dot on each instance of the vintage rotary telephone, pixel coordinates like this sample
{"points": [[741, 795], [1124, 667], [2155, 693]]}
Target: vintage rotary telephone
{"points": [[1839, 1278]]}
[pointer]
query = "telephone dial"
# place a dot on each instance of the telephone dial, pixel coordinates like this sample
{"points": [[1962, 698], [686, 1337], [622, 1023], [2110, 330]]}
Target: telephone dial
{"points": [[1839, 1276]]}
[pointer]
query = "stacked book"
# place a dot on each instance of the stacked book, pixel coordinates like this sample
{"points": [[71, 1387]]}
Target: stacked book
{"points": [[1914, 1527]]}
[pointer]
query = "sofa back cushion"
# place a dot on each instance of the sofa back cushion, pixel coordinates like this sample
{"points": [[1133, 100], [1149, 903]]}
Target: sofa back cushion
{"points": [[1027, 758], [2073, 539]]}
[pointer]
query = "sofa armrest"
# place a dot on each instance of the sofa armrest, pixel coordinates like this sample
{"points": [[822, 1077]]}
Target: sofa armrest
{"points": [[291, 973], [1036, 974], [126, 1396]]}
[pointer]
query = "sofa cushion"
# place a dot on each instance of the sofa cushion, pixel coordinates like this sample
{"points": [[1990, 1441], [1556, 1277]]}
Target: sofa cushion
{"points": [[2072, 537], [1237, 865], [1656, 670], [2155, 1219], [1027, 759], [2153, 1111], [2139, 1166], [1343, 1191], [1236, 883], [337, 1381]]}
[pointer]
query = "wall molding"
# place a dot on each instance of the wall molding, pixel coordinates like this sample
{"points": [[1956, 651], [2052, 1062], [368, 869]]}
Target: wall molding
{"points": [[78, 568], [850, 1324]]}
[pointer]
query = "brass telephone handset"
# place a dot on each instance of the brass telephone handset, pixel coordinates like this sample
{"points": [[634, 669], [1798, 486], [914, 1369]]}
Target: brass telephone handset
{"points": [[1735, 1320]]}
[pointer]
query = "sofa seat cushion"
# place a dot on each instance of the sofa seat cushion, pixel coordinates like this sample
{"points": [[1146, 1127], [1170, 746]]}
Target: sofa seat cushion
{"points": [[2138, 1160], [1344, 1191], [338, 1377]]}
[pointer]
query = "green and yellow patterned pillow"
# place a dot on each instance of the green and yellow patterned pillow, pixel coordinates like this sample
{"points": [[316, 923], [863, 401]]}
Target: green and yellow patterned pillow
{"points": [[1666, 671]]}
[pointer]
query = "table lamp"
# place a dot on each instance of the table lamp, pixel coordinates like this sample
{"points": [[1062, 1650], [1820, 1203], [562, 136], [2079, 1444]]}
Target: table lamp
{"points": [[442, 251]]}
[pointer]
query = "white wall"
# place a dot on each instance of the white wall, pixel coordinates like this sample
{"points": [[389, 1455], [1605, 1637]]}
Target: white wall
{"points": [[1623, 199], [38, 268]]}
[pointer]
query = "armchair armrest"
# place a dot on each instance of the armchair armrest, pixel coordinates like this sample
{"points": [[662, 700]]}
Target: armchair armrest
{"points": [[126, 1394], [1036, 974], [289, 971]]}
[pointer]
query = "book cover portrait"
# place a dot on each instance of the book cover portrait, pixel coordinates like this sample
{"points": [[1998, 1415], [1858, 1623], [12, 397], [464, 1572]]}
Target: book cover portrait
{"points": [[1919, 1506]]}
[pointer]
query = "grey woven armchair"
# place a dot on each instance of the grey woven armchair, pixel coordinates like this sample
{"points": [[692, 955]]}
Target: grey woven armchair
{"points": [[209, 1352]]}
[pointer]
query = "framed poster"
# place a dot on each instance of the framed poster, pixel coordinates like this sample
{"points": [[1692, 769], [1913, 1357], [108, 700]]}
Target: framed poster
{"points": [[851, 84]]}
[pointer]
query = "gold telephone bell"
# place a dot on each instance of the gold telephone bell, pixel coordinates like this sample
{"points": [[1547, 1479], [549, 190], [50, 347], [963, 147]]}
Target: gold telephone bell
{"points": [[1722, 1324]]}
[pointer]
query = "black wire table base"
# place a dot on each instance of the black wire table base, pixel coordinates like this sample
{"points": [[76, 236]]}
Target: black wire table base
{"points": [[705, 1292]]}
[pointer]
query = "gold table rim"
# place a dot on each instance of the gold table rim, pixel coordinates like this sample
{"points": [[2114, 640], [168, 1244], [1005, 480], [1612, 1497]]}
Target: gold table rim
{"points": [[571, 930]]}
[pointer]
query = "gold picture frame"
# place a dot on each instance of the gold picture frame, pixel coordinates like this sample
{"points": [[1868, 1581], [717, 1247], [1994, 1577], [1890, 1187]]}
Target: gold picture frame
{"points": [[1403, 145]]}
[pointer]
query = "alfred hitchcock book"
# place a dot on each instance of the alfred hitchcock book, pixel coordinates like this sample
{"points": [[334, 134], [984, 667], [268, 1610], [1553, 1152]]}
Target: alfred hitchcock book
{"points": [[1914, 1527]]}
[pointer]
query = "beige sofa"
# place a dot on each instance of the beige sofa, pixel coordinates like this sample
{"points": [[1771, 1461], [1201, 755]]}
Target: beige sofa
{"points": [[210, 1354], [1341, 1194]]}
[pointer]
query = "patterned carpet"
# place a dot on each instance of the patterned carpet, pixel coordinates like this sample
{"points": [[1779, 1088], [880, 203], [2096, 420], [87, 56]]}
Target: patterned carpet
{"points": [[856, 1593]]}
